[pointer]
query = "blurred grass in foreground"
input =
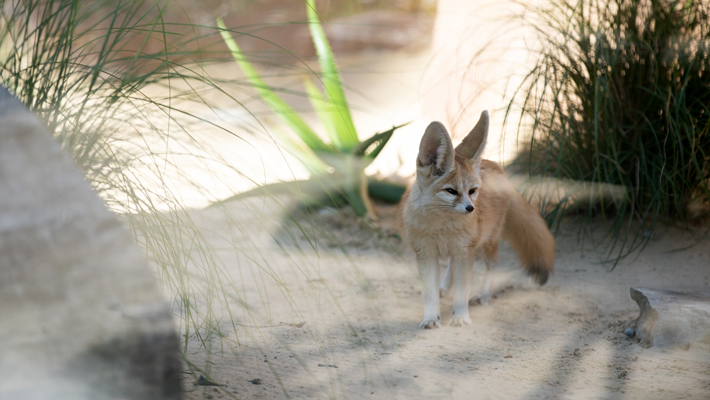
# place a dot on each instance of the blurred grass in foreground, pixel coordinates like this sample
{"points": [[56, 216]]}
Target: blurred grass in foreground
{"points": [[125, 92], [75, 64]]}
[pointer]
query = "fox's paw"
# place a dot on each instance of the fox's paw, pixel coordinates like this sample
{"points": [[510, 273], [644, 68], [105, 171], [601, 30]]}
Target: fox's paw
{"points": [[459, 321], [430, 323], [482, 299]]}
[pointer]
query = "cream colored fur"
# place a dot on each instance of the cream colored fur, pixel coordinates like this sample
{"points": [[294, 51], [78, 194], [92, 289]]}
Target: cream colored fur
{"points": [[461, 203]]}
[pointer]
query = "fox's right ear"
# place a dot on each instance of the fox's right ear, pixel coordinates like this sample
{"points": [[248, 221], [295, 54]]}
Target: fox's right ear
{"points": [[436, 152], [473, 144]]}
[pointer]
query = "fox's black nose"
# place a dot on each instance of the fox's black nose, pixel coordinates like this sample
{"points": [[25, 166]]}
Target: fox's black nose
{"points": [[469, 208]]}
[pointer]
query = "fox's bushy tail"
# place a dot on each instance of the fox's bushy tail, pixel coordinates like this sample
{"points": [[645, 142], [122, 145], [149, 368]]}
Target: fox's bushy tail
{"points": [[529, 235]]}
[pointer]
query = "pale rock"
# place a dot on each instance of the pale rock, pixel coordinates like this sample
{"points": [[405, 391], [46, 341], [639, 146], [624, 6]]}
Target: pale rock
{"points": [[81, 314], [669, 318]]}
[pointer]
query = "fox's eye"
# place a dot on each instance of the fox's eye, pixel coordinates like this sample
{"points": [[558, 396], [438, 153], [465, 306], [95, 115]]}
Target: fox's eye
{"points": [[452, 191], [471, 192]]}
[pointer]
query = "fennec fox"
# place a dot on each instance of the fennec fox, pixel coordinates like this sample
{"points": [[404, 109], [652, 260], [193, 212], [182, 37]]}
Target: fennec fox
{"points": [[458, 204]]}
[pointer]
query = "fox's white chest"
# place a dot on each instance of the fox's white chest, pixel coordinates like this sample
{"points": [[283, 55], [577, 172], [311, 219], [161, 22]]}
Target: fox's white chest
{"points": [[441, 234]]}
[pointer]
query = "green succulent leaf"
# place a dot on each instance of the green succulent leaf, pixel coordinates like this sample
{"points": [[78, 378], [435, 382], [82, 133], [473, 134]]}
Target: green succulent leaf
{"points": [[315, 163], [327, 112], [384, 190], [346, 136], [287, 114], [365, 148], [314, 187]]}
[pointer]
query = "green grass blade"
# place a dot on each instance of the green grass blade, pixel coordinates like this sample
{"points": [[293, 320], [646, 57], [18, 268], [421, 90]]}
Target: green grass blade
{"points": [[278, 105], [346, 137]]}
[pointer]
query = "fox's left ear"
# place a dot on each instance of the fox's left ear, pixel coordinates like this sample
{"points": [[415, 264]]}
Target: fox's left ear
{"points": [[473, 145], [436, 152]]}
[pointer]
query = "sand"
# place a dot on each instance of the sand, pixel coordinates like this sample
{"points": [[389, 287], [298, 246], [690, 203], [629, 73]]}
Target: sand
{"points": [[337, 315], [341, 320]]}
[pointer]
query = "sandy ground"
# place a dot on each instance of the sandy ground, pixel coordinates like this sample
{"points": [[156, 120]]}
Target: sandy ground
{"points": [[337, 317], [329, 308]]}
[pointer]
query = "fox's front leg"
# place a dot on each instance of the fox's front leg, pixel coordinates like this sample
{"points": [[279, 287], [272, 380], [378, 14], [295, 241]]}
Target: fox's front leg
{"points": [[461, 265], [429, 275], [445, 288]]}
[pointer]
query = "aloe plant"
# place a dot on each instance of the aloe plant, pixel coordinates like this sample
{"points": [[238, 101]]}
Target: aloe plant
{"points": [[346, 155]]}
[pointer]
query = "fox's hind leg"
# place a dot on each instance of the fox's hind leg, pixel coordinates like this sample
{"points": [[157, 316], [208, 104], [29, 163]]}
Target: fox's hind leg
{"points": [[461, 265], [445, 288], [490, 257]]}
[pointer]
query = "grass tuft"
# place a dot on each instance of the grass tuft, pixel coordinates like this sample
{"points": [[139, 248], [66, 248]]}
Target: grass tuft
{"points": [[115, 89], [620, 94]]}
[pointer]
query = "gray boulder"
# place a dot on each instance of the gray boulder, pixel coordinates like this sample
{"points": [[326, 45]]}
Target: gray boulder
{"points": [[81, 315]]}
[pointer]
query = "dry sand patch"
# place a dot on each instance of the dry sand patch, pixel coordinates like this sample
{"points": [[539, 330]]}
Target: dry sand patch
{"points": [[341, 322]]}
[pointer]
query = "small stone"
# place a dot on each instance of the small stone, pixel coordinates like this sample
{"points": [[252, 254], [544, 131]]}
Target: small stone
{"points": [[629, 332], [202, 381]]}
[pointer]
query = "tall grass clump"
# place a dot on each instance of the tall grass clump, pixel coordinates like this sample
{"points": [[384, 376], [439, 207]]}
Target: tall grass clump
{"points": [[620, 94]]}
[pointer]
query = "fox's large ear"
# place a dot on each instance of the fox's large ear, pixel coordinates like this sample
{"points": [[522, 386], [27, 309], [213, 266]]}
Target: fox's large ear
{"points": [[436, 152], [473, 145]]}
